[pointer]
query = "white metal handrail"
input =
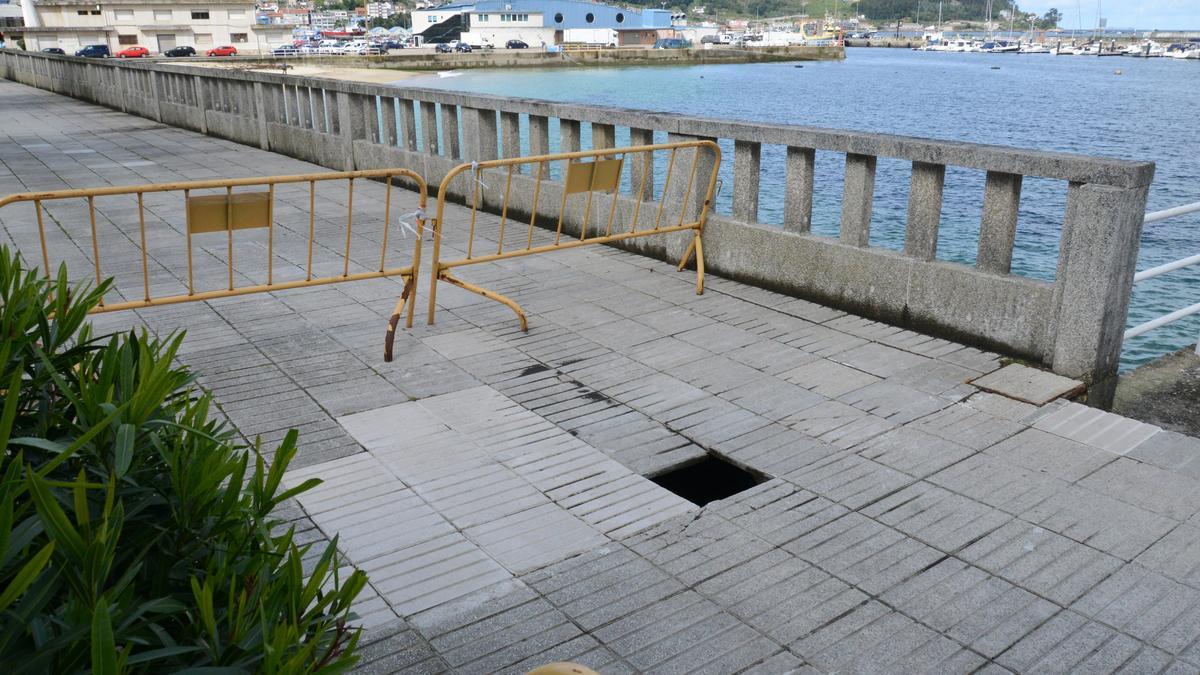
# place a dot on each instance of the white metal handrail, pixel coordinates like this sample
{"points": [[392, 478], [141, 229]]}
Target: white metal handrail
{"points": [[1160, 270], [1156, 216]]}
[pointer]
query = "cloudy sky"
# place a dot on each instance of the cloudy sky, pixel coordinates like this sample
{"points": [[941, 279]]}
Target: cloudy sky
{"points": [[1146, 14]]}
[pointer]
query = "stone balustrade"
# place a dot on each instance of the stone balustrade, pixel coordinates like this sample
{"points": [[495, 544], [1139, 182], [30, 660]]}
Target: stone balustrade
{"points": [[1073, 324]]}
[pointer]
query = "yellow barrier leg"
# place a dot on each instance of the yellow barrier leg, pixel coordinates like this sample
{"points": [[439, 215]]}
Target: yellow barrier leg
{"points": [[490, 295], [699, 264]]}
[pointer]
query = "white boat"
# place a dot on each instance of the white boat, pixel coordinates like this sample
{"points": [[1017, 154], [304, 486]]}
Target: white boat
{"points": [[1034, 48], [1192, 53], [1146, 49], [1003, 47]]}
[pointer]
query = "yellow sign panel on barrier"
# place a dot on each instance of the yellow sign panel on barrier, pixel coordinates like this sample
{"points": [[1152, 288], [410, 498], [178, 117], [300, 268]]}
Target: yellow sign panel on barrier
{"points": [[213, 213], [598, 176]]}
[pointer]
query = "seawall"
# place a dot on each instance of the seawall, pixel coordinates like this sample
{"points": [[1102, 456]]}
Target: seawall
{"points": [[521, 58]]}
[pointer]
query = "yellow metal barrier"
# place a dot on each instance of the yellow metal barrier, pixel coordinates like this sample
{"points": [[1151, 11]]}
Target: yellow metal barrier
{"points": [[582, 176], [226, 212]]}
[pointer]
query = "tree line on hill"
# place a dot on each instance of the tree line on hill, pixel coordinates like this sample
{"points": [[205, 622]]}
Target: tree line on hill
{"points": [[879, 11]]}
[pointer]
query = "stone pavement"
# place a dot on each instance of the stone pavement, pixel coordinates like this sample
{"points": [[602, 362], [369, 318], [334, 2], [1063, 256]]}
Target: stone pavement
{"points": [[494, 483]]}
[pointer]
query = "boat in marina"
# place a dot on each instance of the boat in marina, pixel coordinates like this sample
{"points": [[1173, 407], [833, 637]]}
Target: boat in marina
{"points": [[1034, 48], [1000, 47], [1146, 49], [963, 45], [1191, 52]]}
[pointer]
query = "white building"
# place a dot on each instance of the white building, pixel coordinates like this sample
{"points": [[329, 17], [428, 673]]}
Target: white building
{"points": [[330, 19], [158, 25], [540, 22], [380, 10]]}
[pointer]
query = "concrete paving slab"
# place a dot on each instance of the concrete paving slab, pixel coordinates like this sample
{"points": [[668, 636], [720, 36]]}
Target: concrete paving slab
{"points": [[1111, 432], [1020, 382]]}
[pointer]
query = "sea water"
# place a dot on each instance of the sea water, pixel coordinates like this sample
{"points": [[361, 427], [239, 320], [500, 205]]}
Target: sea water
{"points": [[1142, 109]]}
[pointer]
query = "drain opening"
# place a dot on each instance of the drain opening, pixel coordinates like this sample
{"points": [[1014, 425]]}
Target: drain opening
{"points": [[708, 480]]}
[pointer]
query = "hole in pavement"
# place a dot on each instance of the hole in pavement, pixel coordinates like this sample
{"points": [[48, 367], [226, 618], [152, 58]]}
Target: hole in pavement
{"points": [[708, 480]]}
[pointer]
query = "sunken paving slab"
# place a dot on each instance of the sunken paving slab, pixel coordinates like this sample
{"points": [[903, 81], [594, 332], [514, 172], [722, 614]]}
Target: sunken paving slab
{"points": [[921, 508], [1027, 384]]}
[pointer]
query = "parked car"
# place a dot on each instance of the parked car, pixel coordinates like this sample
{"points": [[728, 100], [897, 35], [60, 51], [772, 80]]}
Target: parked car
{"points": [[443, 48], [462, 47], [672, 43], [310, 49], [223, 50], [370, 50], [516, 44], [133, 52], [180, 51], [710, 40], [53, 50], [94, 52], [285, 50], [393, 44], [330, 47]]}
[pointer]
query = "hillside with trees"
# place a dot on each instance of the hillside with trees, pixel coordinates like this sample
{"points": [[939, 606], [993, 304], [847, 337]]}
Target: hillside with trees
{"points": [[876, 11]]}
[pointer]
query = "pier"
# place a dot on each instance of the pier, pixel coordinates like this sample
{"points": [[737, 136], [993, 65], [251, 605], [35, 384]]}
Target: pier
{"points": [[928, 492]]}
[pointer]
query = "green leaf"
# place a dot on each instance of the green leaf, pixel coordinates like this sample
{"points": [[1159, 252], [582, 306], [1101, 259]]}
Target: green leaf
{"points": [[39, 443], [79, 442], [10, 404], [104, 648], [161, 653], [123, 452], [54, 518], [26, 576]]}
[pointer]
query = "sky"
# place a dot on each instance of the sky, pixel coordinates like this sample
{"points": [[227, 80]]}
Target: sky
{"points": [[1143, 14]]}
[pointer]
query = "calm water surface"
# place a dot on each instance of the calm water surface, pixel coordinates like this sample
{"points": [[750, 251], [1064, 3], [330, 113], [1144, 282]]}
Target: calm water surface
{"points": [[1151, 111]]}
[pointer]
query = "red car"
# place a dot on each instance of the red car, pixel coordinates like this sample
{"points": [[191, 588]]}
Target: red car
{"points": [[226, 50], [133, 53]]}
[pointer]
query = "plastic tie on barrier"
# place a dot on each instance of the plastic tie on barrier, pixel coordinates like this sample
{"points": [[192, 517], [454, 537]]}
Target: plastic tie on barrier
{"points": [[408, 222], [478, 175]]}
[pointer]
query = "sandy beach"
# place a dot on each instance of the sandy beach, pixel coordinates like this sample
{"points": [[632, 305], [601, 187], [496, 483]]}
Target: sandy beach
{"points": [[369, 75]]}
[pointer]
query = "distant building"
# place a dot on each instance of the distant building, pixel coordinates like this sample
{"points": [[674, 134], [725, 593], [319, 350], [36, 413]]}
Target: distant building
{"points": [[380, 10], [540, 22], [10, 18], [289, 17], [330, 19], [158, 25]]}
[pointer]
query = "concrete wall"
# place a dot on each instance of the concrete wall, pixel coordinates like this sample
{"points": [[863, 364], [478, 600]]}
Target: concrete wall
{"points": [[1073, 325]]}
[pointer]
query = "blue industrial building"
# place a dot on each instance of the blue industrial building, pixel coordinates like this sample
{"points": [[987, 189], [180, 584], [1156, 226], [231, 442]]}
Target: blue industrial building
{"points": [[541, 23]]}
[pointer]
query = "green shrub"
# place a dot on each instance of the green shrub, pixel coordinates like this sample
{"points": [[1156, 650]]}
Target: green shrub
{"points": [[135, 535]]}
